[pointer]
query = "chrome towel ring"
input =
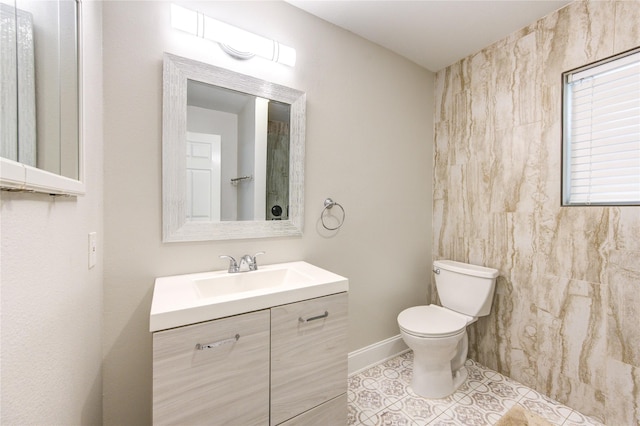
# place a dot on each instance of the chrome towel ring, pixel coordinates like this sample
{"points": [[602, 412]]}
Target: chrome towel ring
{"points": [[328, 205]]}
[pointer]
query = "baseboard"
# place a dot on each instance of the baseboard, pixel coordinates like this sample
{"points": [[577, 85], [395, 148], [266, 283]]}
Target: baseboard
{"points": [[376, 353]]}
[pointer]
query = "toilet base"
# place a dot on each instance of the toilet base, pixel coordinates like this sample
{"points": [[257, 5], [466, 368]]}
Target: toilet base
{"points": [[437, 384], [438, 376]]}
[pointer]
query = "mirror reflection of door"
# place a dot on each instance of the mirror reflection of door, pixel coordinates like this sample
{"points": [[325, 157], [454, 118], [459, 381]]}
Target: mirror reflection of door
{"points": [[254, 155], [203, 177]]}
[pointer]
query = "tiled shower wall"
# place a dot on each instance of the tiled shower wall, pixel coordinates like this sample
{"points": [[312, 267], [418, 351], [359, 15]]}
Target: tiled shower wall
{"points": [[566, 315]]}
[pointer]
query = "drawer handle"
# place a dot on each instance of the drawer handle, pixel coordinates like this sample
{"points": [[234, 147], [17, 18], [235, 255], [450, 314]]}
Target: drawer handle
{"points": [[326, 314], [218, 343]]}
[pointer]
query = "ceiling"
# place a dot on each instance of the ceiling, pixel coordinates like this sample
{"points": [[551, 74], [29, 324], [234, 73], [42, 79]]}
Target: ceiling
{"points": [[431, 33]]}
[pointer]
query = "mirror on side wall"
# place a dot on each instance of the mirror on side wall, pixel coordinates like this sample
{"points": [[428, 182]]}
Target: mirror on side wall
{"points": [[233, 154], [40, 148]]}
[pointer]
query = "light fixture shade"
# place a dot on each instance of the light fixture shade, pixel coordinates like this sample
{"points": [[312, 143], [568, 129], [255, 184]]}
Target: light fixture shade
{"points": [[184, 19], [286, 55], [235, 41]]}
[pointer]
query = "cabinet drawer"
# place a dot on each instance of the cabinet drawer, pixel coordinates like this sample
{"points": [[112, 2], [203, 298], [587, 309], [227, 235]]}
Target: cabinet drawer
{"points": [[332, 412], [226, 383], [308, 355]]}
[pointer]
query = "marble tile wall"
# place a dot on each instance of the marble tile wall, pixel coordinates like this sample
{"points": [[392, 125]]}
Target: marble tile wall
{"points": [[567, 307]]}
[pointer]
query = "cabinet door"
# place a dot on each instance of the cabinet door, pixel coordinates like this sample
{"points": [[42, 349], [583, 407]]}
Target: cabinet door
{"points": [[308, 355], [330, 413], [213, 373]]}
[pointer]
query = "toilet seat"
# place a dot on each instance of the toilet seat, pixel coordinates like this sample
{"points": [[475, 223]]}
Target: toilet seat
{"points": [[432, 321]]}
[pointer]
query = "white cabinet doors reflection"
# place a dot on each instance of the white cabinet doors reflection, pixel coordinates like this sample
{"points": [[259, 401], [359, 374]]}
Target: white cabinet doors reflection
{"points": [[40, 91], [17, 75]]}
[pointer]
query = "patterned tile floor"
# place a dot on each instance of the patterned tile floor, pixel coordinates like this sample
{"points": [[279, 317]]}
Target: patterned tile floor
{"points": [[382, 395]]}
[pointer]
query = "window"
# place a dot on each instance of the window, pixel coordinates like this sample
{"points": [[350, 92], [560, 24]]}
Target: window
{"points": [[601, 132]]}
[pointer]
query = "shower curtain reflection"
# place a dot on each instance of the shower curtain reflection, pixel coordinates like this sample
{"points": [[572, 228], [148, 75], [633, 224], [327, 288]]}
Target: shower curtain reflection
{"points": [[277, 171]]}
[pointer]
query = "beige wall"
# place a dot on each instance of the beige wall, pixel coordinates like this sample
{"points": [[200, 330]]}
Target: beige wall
{"points": [[565, 319], [369, 146], [51, 303]]}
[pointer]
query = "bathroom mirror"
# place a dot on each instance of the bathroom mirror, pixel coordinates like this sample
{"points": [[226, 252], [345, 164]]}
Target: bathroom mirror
{"points": [[233, 154], [40, 147]]}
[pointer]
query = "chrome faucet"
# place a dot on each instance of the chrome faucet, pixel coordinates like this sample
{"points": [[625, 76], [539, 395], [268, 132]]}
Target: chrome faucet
{"points": [[247, 263], [233, 265]]}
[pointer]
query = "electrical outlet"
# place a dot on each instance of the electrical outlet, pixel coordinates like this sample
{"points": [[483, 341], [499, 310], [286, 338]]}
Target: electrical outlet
{"points": [[93, 250]]}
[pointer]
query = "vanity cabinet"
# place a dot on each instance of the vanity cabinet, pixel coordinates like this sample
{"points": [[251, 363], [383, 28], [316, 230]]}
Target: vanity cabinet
{"points": [[333, 412], [308, 355], [203, 374], [284, 365]]}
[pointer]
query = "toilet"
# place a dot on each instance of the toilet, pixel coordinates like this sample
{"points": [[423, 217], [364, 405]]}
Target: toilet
{"points": [[438, 334]]}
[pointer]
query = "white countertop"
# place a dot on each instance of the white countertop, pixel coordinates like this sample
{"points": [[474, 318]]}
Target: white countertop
{"points": [[178, 301]]}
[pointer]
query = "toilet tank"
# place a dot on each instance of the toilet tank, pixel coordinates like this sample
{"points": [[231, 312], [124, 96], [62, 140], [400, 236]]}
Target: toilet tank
{"points": [[465, 288]]}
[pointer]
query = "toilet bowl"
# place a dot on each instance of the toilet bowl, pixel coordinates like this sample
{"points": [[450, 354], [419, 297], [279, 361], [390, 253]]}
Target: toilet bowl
{"points": [[438, 338], [437, 334]]}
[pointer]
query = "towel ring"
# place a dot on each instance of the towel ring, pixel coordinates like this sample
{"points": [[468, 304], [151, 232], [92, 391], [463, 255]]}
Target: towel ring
{"points": [[328, 205]]}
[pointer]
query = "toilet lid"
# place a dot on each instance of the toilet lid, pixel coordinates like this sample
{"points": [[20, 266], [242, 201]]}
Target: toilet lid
{"points": [[432, 321]]}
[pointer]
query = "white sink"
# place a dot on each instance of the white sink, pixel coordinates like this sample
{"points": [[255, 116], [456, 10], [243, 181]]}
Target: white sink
{"points": [[187, 299], [220, 285]]}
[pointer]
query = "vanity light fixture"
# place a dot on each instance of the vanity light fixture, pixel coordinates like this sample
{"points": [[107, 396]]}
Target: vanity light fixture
{"points": [[236, 42]]}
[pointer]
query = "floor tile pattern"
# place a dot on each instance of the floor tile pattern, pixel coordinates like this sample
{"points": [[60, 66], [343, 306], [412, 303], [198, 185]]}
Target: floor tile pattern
{"points": [[382, 395]]}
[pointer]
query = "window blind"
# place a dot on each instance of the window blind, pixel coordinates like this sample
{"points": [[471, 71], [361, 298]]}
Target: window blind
{"points": [[601, 133]]}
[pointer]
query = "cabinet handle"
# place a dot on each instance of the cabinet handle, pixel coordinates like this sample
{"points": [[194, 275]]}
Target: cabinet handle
{"points": [[326, 314], [233, 339]]}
